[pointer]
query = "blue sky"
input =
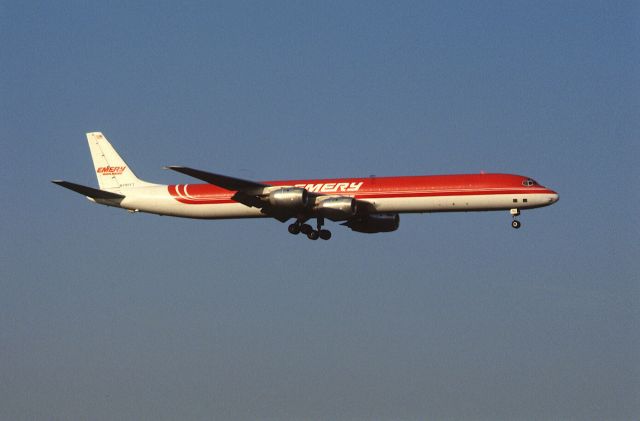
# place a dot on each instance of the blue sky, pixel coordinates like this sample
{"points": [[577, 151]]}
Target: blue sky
{"points": [[107, 315]]}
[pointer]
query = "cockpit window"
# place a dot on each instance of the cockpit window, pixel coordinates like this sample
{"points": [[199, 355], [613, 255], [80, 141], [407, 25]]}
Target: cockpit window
{"points": [[529, 182]]}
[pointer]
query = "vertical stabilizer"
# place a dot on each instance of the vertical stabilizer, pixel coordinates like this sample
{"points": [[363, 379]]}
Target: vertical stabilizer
{"points": [[111, 170]]}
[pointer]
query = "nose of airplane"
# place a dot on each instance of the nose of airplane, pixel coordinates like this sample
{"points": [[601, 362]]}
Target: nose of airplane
{"points": [[553, 197]]}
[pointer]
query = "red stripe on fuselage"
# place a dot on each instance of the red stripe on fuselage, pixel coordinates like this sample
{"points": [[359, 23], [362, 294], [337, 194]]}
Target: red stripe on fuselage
{"points": [[379, 187]]}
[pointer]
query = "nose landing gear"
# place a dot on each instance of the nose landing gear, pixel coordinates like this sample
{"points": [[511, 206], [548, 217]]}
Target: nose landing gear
{"points": [[300, 227], [515, 223]]}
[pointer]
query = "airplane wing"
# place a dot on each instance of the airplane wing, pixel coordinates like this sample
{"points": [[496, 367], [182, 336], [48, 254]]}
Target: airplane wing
{"points": [[224, 181], [88, 191], [247, 191], [252, 193]]}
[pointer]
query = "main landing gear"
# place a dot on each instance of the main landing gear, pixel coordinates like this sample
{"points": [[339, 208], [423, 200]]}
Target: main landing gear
{"points": [[300, 227], [515, 223]]}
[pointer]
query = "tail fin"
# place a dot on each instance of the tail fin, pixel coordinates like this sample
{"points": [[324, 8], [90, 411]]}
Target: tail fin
{"points": [[111, 170]]}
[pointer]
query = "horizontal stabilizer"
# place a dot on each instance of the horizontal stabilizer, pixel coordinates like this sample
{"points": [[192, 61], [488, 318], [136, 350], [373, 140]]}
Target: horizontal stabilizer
{"points": [[224, 181], [88, 191]]}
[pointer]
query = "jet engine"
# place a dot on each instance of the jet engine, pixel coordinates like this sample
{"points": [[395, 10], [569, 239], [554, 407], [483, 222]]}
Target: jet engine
{"points": [[336, 208], [371, 224], [289, 198]]}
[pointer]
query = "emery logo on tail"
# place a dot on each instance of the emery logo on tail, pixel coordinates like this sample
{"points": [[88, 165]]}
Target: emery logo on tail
{"points": [[331, 187], [110, 170]]}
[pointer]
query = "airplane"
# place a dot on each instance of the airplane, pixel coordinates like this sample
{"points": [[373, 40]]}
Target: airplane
{"points": [[364, 204]]}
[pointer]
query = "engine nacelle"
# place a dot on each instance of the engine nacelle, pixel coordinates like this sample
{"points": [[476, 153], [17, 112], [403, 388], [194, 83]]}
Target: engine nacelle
{"points": [[336, 208], [289, 198], [371, 224]]}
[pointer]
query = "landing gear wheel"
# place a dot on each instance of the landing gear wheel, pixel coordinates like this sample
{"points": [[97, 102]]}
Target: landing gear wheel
{"points": [[305, 229], [325, 234], [294, 229], [516, 224], [313, 235]]}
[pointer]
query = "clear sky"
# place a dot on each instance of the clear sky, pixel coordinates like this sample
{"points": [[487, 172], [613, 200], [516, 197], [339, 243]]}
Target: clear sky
{"points": [[107, 315]]}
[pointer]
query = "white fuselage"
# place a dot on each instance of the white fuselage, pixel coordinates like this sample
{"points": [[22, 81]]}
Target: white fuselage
{"points": [[157, 200]]}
